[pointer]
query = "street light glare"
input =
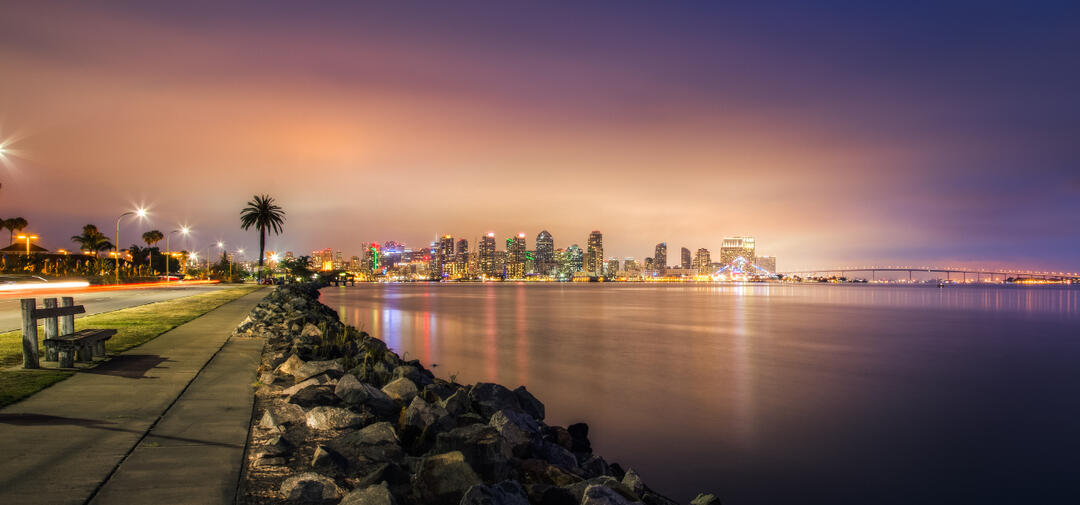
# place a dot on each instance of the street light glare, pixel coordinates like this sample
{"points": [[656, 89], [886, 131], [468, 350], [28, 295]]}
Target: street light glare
{"points": [[221, 244], [185, 230], [140, 212]]}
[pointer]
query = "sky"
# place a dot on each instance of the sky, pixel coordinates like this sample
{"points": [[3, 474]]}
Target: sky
{"points": [[841, 133]]}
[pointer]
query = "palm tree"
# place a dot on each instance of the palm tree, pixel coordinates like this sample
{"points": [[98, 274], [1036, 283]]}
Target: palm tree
{"points": [[262, 213], [151, 237], [92, 240], [13, 225]]}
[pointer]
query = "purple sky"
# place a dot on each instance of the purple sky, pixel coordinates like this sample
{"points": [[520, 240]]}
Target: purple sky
{"points": [[839, 134]]}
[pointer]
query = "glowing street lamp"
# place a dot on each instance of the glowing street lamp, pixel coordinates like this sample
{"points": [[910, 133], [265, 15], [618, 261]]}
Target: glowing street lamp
{"points": [[141, 213], [220, 245], [168, 251], [27, 238]]}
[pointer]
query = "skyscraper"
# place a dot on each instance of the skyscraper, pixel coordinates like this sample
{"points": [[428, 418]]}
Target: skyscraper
{"points": [[575, 259], [594, 254], [545, 253], [766, 262], [444, 262], [660, 258], [515, 257], [735, 247], [702, 261], [461, 258], [686, 262], [487, 256]]}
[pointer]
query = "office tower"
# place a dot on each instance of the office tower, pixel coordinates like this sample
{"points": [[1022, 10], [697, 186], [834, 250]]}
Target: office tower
{"points": [[612, 267], [660, 258], [702, 261], [461, 258], [737, 247], [444, 263], [686, 261], [766, 262], [575, 259], [486, 256], [594, 254], [544, 258], [515, 257], [649, 265]]}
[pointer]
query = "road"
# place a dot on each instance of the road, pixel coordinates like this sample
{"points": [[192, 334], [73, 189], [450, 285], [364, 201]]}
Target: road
{"points": [[102, 301]]}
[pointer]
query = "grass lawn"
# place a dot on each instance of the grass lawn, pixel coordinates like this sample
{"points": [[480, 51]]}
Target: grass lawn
{"points": [[134, 326]]}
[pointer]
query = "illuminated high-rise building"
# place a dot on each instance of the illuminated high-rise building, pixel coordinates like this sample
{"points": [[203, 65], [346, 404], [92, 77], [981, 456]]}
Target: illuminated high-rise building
{"points": [[686, 261], [461, 258], [736, 247], [445, 256], [611, 268], [649, 270], [544, 259], [486, 256], [515, 257], [702, 261], [575, 259], [594, 254], [660, 258]]}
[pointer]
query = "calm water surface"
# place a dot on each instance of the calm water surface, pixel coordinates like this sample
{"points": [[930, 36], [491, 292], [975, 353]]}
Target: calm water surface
{"points": [[775, 393]]}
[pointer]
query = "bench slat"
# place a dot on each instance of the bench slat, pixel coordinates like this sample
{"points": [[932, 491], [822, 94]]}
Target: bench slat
{"points": [[89, 334], [58, 311]]}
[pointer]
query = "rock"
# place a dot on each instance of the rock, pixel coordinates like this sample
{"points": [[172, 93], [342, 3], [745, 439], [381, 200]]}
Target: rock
{"points": [[507, 492], [482, 447], [599, 495], [488, 398], [276, 446], [265, 462], [289, 366], [578, 488], [314, 396], [438, 391], [540, 471], [529, 403], [371, 495], [633, 481], [594, 466], [444, 478], [333, 418], [266, 378], [651, 498], [457, 403], [270, 422], [401, 389], [312, 368], [705, 499], [409, 372], [543, 494], [310, 333], [310, 487], [320, 380], [579, 437], [421, 415], [557, 455], [518, 429], [366, 449], [557, 435], [353, 392]]}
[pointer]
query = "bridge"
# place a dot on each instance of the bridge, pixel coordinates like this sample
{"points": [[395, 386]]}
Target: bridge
{"points": [[963, 273]]}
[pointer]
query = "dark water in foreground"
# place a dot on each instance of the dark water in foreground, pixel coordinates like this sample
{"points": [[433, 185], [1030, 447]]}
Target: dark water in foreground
{"points": [[776, 393]]}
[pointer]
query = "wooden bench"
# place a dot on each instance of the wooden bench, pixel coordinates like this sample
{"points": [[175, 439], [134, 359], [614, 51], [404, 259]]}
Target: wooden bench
{"points": [[62, 342]]}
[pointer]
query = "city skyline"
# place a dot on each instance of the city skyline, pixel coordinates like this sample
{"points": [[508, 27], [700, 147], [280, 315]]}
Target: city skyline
{"points": [[649, 122]]}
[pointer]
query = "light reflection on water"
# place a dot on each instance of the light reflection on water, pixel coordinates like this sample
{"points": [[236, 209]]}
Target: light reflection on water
{"points": [[793, 393]]}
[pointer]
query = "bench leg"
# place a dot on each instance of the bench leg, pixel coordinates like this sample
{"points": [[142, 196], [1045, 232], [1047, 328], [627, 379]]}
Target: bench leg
{"points": [[85, 353], [50, 351], [64, 355], [99, 349]]}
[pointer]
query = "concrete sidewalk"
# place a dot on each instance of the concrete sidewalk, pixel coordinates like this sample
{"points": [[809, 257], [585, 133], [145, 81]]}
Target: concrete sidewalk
{"points": [[89, 437]]}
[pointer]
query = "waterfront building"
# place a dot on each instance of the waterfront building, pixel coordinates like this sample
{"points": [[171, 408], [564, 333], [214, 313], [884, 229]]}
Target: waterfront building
{"points": [[649, 266], [612, 267], [461, 258], [544, 258], [354, 263], [515, 257], [685, 257], [486, 256], [737, 247], [575, 259], [766, 262], [594, 255], [660, 258], [702, 262]]}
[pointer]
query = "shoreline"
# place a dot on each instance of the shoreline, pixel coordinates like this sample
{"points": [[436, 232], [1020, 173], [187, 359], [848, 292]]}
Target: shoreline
{"points": [[339, 417]]}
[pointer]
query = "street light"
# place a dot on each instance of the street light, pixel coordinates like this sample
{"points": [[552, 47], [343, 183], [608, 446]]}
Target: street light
{"points": [[220, 245], [168, 251], [141, 213], [27, 238]]}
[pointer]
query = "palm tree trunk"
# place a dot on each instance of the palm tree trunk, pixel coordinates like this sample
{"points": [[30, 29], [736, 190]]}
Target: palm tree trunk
{"points": [[262, 247]]}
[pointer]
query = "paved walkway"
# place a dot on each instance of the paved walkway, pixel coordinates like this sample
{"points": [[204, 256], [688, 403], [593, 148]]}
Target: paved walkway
{"points": [[165, 422]]}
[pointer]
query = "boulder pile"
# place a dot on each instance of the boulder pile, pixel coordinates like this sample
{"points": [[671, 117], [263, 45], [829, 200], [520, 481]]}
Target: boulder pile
{"points": [[342, 419]]}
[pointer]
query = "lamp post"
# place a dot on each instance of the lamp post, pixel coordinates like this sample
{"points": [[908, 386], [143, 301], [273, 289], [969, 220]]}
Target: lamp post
{"points": [[220, 245], [239, 252], [136, 212], [27, 238], [168, 251]]}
